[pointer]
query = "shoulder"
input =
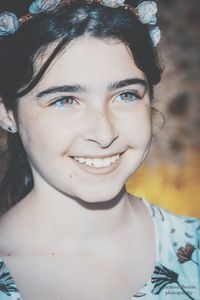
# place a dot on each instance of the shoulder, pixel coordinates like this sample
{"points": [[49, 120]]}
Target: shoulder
{"points": [[180, 229], [178, 253], [177, 235], [172, 221], [10, 233], [8, 289], [183, 233]]}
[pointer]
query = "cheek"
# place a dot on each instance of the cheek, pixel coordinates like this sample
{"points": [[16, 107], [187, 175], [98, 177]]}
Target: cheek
{"points": [[40, 134], [138, 126]]}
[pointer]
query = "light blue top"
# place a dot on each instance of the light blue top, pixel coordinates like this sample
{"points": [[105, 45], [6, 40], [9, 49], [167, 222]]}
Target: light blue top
{"points": [[177, 270]]}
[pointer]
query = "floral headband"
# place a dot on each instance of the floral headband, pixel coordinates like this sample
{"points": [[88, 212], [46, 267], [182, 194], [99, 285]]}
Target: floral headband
{"points": [[146, 12]]}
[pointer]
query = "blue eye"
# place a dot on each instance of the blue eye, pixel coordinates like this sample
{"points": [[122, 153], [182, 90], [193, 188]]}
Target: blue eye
{"points": [[129, 97], [64, 101]]}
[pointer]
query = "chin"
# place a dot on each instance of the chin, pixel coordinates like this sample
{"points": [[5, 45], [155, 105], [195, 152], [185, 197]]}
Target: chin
{"points": [[95, 196]]}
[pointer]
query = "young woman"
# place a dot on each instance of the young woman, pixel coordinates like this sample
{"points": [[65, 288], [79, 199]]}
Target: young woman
{"points": [[76, 87]]}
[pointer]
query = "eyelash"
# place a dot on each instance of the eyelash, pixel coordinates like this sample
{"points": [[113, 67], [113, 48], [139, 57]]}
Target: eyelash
{"points": [[61, 99], [134, 95]]}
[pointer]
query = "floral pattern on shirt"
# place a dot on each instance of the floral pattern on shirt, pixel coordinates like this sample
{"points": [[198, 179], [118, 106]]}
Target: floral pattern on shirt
{"points": [[177, 271], [8, 288]]}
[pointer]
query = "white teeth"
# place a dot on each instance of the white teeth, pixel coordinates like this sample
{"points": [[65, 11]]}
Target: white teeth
{"points": [[97, 162], [108, 161], [82, 160], [88, 161]]}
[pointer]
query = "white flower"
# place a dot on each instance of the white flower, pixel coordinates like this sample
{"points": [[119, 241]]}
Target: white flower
{"points": [[147, 12], [9, 23], [155, 35], [112, 3], [39, 6]]}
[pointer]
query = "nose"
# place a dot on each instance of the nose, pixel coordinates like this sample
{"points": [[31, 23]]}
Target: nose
{"points": [[102, 129]]}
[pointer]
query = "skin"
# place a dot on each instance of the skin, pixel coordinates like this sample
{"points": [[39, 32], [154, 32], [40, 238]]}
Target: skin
{"points": [[96, 224], [79, 204]]}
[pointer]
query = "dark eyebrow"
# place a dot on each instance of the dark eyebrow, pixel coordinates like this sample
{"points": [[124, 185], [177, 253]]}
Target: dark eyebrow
{"points": [[126, 82], [83, 89]]}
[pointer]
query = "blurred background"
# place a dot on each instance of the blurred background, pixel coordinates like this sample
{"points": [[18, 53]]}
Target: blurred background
{"points": [[170, 175]]}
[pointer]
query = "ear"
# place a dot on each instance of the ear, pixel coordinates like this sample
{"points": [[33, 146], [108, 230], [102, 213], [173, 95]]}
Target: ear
{"points": [[7, 120], [158, 120]]}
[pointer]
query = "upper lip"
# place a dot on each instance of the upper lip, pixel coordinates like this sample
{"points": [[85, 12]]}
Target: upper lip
{"points": [[98, 156]]}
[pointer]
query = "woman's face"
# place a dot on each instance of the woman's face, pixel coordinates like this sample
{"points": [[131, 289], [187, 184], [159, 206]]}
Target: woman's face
{"points": [[92, 102]]}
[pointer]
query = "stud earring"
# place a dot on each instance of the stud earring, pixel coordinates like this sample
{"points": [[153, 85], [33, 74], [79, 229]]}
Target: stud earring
{"points": [[11, 129]]}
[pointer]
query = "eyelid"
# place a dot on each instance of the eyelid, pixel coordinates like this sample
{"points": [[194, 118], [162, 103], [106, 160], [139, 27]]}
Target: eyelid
{"points": [[53, 101], [135, 92]]}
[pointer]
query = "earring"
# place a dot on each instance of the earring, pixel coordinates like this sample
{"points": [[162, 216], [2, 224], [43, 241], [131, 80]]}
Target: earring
{"points": [[11, 129]]}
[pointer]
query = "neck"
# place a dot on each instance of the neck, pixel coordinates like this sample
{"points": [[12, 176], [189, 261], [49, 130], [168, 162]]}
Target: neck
{"points": [[67, 217]]}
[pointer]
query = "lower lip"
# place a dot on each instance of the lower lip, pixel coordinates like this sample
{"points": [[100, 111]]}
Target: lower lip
{"points": [[99, 171]]}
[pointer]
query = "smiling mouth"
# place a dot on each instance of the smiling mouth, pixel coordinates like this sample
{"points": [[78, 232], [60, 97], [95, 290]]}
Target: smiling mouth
{"points": [[98, 164]]}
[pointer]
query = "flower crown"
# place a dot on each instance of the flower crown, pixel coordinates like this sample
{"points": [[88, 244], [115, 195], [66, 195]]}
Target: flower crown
{"points": [[146, 12]]}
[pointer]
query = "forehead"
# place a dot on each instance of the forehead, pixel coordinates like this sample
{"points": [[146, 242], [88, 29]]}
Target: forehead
{"points": [[92, 61]]}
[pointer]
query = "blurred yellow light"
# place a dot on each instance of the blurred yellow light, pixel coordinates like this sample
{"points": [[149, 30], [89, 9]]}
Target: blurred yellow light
{"points": [[175, 188]]}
